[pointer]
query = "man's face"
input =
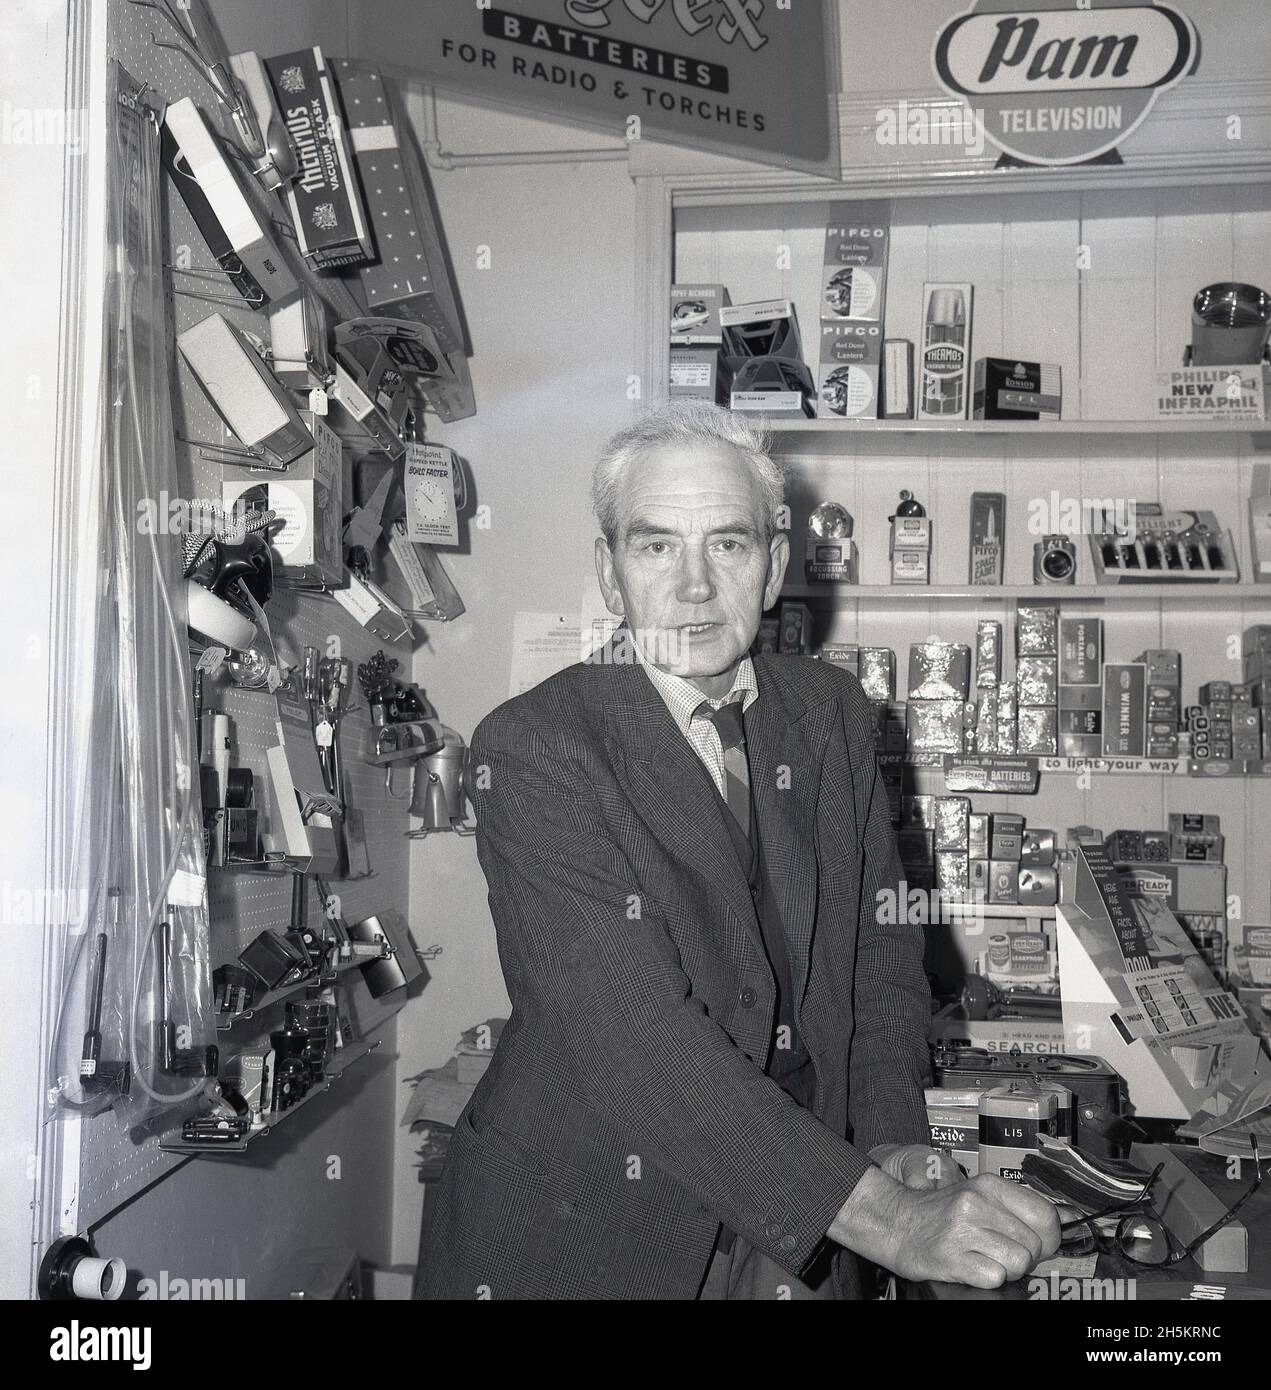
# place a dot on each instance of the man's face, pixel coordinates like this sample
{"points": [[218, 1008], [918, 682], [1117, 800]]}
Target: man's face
{"points": [[691, 570]]}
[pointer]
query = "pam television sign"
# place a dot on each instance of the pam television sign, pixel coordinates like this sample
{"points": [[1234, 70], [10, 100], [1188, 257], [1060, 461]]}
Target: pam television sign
{"points": [[1057, 82]]}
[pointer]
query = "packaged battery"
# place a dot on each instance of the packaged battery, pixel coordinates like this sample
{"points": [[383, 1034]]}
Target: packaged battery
{"points": [[878, 672], [1037, 729], [1037, 679], [1037, 629], [951, 873], [952, 828], [986, 721], [988, 652], [939, 670], [1080, 650], [1124, 710], [933, 726], [1011, 1118], [978, 834], [1007, 709]]}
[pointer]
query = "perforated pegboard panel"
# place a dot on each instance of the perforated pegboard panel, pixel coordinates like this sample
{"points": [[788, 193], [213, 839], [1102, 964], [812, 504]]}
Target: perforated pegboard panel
{"points": [[115, 1166]]}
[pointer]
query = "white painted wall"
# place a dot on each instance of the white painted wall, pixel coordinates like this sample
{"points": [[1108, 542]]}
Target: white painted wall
{"points": [[33, 45]]}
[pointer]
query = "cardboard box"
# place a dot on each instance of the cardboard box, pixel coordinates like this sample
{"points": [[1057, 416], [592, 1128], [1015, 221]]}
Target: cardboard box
{"points": [[1124, 710], [409, 278], [1080, 650], [245, 393], [850, 366], [945, 361], [1037, 729], [988, 653], [796, 627], [324, 200], [209, 186], [988, 537], [939, 670], [309, 498], [1008, 389], [700, 373], [1038, 680], [1004, 881], [878, 672], [1037, 629], [896, 397], [695, 315], [933, 726], [854, 269]]}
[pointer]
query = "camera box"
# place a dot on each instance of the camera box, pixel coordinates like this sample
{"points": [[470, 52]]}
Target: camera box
{"points": [[1008, 389], [778, 385], [946, 351], [1080, 650], [847, 381], [1037, 629], [695, 315], [309, 499], [1124, 709], [324, 199], [854, 274]]}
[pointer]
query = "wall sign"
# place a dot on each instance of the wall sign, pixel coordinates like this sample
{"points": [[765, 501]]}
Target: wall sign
{"points": [[1059, 82], [746, 78]]}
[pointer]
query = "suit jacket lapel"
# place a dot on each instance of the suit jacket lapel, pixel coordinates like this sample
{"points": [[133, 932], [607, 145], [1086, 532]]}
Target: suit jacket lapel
{"points": [[783, 742], [673, 791]]}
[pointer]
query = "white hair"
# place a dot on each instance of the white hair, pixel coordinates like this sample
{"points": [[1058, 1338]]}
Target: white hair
{"points": [[683, 423]]}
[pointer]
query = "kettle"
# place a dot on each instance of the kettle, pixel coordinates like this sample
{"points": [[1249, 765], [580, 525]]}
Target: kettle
{"points": [[441, 788]]}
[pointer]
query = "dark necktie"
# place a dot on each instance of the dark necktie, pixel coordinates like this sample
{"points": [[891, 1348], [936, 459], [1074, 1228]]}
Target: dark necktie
{"points": [[732, 736]]}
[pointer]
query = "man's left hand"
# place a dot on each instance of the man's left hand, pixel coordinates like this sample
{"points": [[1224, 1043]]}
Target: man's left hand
{"points": [[917, 1166]]}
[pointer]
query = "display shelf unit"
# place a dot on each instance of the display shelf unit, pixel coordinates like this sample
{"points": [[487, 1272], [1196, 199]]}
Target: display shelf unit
{"points": [[848, 595], [340, 1064], [224, 1022], [1092, 268], [804, 435]]}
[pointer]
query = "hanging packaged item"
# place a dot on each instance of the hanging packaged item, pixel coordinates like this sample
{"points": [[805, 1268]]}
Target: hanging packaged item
{"points": [[324, 200], [409, 278], [246, 394], [210, 189], [308, 499]]}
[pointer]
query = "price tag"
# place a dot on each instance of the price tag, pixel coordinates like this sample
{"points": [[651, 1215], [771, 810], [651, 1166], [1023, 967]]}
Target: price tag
{"points": [[210, 659], [273, 678], [318, 401], [323, 734]]}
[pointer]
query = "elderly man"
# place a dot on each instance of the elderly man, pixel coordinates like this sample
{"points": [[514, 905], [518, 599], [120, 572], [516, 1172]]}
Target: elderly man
{"points": [[710, 1085]]}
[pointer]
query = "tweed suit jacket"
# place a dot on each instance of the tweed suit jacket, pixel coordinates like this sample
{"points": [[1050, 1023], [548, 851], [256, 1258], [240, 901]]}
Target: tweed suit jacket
{"points": [[626, 1113]]}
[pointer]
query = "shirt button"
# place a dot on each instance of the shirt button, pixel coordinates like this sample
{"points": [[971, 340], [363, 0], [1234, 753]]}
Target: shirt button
{"points": [[747, 998]]}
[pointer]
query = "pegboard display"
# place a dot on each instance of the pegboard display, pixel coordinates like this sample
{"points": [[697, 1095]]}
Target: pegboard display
{"points": [[116, 1166]]}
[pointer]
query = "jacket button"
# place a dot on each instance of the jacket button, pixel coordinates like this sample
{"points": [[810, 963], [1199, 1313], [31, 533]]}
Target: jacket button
{"points": [[747, 998], [788, 1242], [772, 1230]]}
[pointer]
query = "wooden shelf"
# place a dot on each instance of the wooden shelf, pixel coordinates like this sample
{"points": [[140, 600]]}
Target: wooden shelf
{"points": [[848, 595], [344, 1058], [782, 425]]}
